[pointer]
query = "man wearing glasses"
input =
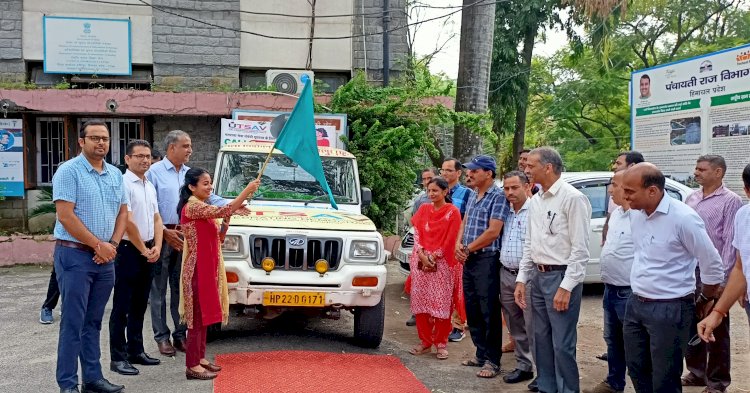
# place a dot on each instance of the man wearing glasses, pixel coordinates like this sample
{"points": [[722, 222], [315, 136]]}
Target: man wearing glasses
{"points": [[557, 247], [137, 252], [91, 205]]}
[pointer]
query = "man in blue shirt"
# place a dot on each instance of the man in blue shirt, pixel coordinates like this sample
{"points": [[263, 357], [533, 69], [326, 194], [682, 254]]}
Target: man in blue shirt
{"points": [[451, 171], [91, 206], [477, 247], [167, 176], [671, 240]]}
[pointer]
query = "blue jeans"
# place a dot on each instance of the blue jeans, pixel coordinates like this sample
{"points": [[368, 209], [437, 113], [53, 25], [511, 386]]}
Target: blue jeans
{"points": [[85, 288], [615, 299], [555, 334], [656, 337]]}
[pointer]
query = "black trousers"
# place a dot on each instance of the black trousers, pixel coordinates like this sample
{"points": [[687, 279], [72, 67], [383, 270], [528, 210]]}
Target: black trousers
{"points": [[483, 310], [53, 292], [129, 302], [656, 336]]}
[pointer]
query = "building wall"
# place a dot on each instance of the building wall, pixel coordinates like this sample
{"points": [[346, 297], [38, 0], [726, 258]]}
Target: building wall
{"points": [[204, 132], [12, 68], [328, 55], [371, 47], [190, 55], [12, 212]]}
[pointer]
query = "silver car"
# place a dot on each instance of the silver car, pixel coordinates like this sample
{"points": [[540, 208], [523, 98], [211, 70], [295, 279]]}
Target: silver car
{"points": [[594, 186]]}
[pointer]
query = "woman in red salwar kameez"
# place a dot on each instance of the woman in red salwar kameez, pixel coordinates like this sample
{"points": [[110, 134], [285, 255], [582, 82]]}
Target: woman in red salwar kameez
{"points": [[432, 262], [203, 285]]}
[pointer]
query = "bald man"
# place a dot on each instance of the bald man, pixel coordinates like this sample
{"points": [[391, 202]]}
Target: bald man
{"points": [[670, 239]]}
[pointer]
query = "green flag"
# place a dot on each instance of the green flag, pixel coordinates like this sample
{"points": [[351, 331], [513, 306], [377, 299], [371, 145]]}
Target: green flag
{"points": [[298, 139]]}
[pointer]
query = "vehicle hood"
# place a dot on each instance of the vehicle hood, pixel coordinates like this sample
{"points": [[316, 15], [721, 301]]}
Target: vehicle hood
{"points": [[303, 218]]}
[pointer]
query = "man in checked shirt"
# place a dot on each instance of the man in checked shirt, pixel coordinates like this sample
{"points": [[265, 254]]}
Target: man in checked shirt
{"points": [[517, 187]]}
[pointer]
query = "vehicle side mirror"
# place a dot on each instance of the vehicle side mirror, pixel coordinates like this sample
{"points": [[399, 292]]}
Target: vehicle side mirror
{"points": [[366, 197]]}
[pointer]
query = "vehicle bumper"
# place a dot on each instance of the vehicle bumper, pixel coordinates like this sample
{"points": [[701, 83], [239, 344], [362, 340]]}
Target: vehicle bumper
{"points": [[336, 285]]}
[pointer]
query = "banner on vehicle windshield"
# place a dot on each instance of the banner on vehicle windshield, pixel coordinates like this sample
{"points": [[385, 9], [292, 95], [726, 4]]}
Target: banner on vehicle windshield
{"points": [[696, 106], [250, 125]]}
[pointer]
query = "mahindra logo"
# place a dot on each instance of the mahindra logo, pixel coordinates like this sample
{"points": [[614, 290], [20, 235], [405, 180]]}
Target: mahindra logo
{"points": [[296, 242]]}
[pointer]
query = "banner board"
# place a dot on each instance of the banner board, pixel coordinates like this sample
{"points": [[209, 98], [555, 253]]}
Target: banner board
{"points": [[692, 107], [87, 46], [257, 125], [11, 158]]}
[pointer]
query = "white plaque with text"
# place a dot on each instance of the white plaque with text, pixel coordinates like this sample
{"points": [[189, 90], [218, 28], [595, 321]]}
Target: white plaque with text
{"points": [[87, 46]]}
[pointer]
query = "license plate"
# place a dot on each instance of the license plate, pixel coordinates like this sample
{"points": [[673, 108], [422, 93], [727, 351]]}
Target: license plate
{"points": [[401, 257], [303, 299]]}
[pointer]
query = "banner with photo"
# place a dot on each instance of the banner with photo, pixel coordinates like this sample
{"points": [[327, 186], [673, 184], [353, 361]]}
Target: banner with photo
{"points": [[261, 125], [11, 158], [696, 106]]}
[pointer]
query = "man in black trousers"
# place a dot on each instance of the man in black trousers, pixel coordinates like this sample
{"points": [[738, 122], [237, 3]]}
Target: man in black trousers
{"points": [[139, 249]]}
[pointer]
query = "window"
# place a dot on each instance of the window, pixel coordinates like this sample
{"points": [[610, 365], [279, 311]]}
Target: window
{"points": [[673, 193], [50, 147], [122, 131], [598, 197]]}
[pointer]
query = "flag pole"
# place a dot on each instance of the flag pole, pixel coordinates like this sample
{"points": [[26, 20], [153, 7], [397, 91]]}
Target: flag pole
{"points": [[268, 158]]}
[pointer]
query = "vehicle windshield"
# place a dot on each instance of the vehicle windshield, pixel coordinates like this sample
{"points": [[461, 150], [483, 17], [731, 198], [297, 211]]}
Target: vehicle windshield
{"points": [[284, 180]]}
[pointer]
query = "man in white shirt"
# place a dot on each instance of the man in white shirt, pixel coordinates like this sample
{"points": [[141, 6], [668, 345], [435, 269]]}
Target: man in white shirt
{"points": [[136, 253], [671, 239], [738, 285], [616, 262], [517, 187], [557, 246]]}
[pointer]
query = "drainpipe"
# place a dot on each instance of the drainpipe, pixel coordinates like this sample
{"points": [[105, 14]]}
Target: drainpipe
{"points": [[386, 49]]}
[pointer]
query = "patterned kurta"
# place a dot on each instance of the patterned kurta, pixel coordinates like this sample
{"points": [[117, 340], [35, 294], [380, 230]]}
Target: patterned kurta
{"points": [[203, 277]]}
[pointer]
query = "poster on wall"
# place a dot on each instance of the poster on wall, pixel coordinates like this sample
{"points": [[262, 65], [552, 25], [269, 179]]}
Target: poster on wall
{"points": [[11, 158], [86, 46], [329, 128], [696, 106]]}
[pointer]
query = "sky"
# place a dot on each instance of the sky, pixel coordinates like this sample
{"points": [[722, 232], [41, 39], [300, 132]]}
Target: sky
{"points": [[430, 35]]}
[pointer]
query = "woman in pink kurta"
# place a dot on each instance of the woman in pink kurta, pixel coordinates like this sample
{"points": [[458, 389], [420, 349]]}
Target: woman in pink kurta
{"points": [[203, 289], [432, 263]]}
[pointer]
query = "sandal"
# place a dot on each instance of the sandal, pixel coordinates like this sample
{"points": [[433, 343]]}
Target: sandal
{"points": [[488, 371], [442, 354], [473, 362], [420, 350]]}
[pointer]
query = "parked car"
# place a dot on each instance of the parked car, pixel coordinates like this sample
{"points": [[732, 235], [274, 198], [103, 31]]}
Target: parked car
{"points": [[591, 184]]}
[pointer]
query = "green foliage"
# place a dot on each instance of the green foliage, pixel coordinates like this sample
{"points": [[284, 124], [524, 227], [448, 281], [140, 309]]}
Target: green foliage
{"points": [[391, 128], [45, 206]]}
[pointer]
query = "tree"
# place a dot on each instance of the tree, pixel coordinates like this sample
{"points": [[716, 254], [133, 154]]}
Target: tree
{"points": [[474, 60]]}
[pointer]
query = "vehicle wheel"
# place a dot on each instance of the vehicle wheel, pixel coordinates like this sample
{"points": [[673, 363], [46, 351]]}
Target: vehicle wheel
{"points": [[213, 332], [369, 323]]}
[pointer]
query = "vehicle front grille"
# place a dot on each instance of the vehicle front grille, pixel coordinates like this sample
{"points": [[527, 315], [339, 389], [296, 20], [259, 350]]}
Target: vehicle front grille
{"points": [[408, 240], [295, 252]]}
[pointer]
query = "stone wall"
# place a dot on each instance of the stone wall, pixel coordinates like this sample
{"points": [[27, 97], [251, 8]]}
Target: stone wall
{"points": [[12, 67], [12, 212], [190, 55], [204, 132], [373, 44]]}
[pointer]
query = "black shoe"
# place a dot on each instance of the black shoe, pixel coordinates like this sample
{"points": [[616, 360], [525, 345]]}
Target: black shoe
{"points": [[123, 367], [70, 390], [143, 359], [604, 356], [533, 386], [101, 386], [412, 321], [517, 376]]}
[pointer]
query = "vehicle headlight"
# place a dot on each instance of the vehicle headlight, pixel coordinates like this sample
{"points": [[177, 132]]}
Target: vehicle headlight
{"points": [[232, 244], [363, 249]]}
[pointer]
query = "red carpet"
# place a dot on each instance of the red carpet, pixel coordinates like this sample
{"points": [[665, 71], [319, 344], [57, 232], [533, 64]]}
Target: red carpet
{"points": [[313, 372]]}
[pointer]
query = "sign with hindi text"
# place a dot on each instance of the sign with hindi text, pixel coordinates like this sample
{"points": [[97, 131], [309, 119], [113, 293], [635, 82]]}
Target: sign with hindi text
{"points": [[11, 158]]}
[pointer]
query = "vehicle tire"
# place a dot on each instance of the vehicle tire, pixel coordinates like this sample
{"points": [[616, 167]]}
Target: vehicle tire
{"points": [[213, 332], [368, 324]]}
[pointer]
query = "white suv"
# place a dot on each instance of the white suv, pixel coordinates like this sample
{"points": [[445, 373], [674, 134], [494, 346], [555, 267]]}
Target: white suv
{"points": [[594, 186]]}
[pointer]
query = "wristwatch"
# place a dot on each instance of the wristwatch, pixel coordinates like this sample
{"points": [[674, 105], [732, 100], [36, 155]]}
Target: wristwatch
{"points": [[114, 243]]}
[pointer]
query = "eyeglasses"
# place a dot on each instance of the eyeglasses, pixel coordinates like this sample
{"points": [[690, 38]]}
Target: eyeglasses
{"points": [[140, 156], [97, 139]]}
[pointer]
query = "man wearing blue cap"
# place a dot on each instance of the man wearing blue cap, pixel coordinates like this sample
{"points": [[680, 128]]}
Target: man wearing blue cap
{"points": [[478, 248]]}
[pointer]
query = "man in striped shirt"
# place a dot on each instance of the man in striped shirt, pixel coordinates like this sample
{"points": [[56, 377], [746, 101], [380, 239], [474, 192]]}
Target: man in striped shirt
{"points": [[709, 363]]}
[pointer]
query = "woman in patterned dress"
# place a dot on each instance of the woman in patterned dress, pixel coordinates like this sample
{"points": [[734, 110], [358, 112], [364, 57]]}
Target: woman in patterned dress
{"points": [[203, 286], [432, 262]]}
